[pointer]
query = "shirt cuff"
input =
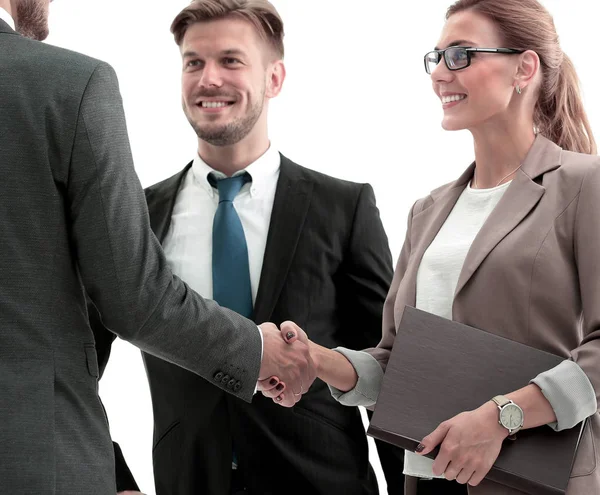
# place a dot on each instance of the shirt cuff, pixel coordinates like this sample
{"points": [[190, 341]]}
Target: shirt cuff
{"points": [[570, 393], [370, 377], [262, 349]]}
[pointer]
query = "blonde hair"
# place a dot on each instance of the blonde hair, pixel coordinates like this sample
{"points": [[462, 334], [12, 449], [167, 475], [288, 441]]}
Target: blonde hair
{"points": [[527, 25]]}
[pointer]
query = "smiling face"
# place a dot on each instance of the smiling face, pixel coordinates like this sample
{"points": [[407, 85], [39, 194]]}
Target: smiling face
{"points": [[482, 92], [227, 80]]}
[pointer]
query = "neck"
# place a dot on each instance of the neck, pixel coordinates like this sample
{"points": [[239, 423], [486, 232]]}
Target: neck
{"points": [[8, 6], [231, 159], [500, 149]]}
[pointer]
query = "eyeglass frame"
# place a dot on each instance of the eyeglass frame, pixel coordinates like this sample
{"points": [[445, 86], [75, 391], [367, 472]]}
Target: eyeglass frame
{"points": [[469, 50]]}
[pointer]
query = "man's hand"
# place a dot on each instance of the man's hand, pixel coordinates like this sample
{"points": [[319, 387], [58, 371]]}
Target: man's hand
{"points": [[287, 365]]}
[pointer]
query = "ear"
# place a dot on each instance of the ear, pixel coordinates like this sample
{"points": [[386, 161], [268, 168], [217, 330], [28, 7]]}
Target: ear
{"points": [[275, 77], [529, 66]]}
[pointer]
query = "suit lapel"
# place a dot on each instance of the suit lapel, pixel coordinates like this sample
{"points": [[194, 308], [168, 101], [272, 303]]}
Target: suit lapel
{"points": [[519, 199], [5, 28], [290, 206], [161, 201]]}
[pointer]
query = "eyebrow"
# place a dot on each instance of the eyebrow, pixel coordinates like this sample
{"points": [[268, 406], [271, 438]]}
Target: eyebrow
{"points": [[228, 52], [458, 43]]}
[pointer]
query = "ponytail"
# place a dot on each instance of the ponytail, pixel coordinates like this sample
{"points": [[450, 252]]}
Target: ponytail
{"points": [[559, 113]]}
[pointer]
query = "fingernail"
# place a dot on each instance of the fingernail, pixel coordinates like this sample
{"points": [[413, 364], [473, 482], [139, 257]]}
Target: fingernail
{"points": [[278, 399], [273, 382], [290, 335], [420, 448], [279, 387]]}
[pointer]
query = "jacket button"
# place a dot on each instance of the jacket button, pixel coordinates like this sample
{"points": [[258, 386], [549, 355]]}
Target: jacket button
{"points": [[225, 379], [218, 376], [237, 386], [230, 383]]}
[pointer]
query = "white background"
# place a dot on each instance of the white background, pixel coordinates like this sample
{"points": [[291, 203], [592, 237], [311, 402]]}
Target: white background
{"points": [[356, 104]]}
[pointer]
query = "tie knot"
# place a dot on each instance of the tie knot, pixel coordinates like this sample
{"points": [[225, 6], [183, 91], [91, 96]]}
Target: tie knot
{"points": [[230, 187]]}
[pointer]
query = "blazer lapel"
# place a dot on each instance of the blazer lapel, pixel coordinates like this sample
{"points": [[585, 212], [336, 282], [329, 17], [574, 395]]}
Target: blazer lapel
{"points": [[161, 201], [519, 199], [427, 224], [290, 206]]}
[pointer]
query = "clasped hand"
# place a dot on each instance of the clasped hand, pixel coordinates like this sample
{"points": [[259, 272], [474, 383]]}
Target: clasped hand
{"points": [[288, 369]]}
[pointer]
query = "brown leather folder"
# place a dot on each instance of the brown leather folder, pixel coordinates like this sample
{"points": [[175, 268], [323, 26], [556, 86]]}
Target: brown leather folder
{"points": [[439, 368]]}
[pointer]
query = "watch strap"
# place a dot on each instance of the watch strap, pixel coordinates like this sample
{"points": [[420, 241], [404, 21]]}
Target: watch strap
{"points": [[501, 401]]}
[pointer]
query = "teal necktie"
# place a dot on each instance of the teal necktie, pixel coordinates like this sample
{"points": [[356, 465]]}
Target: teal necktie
{"points": [[230, 267]]}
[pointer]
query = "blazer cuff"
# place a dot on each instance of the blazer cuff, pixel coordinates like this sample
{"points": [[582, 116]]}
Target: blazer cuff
{"points": [[370, 376], [570, 393]]}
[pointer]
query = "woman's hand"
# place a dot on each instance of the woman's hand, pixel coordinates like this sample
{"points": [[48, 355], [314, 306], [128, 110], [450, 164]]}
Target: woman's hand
{"points": [[469, 445]]}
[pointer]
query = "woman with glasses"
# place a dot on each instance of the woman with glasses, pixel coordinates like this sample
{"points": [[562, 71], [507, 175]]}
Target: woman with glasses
{"points": [[510, 247]]}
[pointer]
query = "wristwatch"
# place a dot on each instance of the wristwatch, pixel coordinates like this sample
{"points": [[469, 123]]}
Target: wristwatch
{"points": [[510, 416]]}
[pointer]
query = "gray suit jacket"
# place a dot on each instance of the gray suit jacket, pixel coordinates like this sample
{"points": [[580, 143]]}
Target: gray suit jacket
{"points": [[532, 274], [73, 219]]}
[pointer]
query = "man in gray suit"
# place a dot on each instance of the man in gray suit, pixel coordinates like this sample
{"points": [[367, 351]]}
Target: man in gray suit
{"points": [[74, 223]]}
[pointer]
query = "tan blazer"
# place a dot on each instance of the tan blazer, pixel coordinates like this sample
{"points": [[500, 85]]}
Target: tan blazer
{"points": [[532, 274]]}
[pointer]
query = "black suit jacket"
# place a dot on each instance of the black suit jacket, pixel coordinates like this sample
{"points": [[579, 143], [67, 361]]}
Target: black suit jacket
{"points": [[327, 266]]}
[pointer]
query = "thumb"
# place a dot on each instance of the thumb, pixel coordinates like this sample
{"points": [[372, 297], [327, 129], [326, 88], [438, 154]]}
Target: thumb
{"points": [[292, 332], [432, 440]]}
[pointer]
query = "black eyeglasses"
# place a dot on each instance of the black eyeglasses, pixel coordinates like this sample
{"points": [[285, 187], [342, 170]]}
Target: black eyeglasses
{"points": [[459, 57]]}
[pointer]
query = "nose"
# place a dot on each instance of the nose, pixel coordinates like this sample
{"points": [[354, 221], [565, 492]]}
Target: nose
{"points": [[211, 75], [441, 73]]}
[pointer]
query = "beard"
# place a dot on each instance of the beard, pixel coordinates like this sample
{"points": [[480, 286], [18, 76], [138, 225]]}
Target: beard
{"points": [[232, 132], [32, 19]]}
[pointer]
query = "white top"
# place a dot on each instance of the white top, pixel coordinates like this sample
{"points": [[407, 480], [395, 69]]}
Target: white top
{"points": [[188, 243], [5, 16], [440, 268]]}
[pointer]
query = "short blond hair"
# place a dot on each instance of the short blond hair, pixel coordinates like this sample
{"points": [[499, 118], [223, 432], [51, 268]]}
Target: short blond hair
{"points": [[260, 13]]}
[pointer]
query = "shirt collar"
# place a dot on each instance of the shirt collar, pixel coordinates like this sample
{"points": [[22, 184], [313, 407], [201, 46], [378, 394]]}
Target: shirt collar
{"points": [[262, 172], [5, 16]]}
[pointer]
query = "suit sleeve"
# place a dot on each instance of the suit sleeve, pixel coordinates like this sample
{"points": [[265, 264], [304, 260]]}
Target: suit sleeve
{"points": [[367, 272], [573, 387], [122, 265], [104, 339]]}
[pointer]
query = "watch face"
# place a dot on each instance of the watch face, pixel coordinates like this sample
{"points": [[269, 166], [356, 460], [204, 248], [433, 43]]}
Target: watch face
{"points": [[511, 416]]}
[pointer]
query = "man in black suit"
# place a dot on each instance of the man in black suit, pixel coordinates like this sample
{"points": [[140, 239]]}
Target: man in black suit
{"points": [[317, 254]]}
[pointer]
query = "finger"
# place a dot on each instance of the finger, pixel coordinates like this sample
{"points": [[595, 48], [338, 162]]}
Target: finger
{"points": [[451, 472], [268, 384], [435, 438], [291, 332], [464, 476], [477, 478], [275, 391]]}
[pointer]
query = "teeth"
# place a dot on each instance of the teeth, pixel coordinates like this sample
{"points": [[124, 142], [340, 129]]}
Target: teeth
{"points": [[449, 99], [214, 104]]}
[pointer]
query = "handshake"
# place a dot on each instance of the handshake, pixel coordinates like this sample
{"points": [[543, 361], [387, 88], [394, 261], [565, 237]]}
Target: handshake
{"points": [[289, 365]]}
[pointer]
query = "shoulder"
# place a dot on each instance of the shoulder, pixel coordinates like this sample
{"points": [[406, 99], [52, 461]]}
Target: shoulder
{"points": [[51, 64], [577, 166], [426, 201], [323, 183], [171, 182]]}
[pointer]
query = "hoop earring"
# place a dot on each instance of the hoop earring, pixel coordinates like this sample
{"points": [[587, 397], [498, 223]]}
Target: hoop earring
{"points": [[518, 89]]}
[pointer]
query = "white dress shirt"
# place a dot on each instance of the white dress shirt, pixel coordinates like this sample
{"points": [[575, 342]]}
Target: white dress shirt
{"points": [[188, 243], [5, 16]]}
